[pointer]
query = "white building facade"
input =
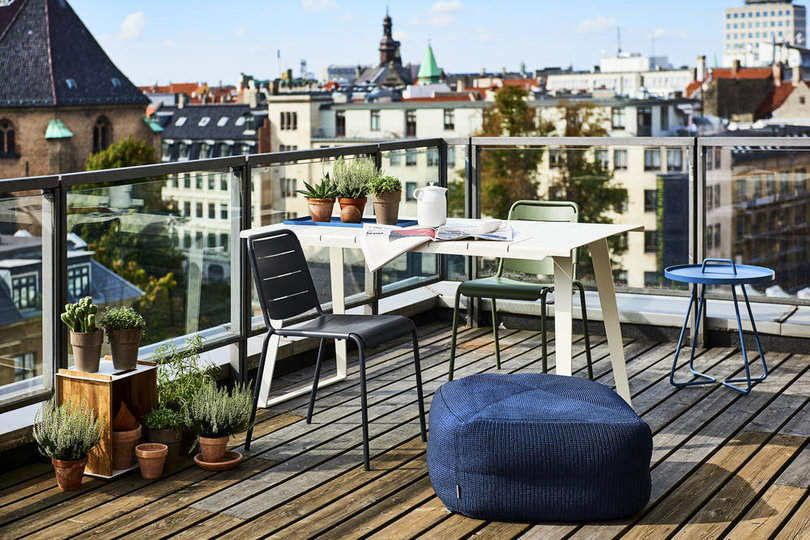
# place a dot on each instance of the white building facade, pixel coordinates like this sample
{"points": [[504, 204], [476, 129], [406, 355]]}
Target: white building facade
{"points": [[747, 28]]}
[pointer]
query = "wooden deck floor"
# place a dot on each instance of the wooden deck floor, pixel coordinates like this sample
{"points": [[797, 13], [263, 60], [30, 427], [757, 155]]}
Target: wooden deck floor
{"points": [[723, 465]]}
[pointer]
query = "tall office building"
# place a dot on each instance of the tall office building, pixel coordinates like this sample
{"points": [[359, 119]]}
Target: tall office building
{"points": [[761, 21]]}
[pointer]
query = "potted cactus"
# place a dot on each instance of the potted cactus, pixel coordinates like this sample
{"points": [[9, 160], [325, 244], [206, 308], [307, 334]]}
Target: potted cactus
{"points": [[351, 180], [386, 193], [123, 326], [85, 338], [320, 199]]}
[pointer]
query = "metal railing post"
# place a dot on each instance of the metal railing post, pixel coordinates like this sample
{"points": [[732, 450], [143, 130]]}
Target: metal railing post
{"points": [[472, 209], [697, 221], [442, 150], [54, 281], [241, 196]]}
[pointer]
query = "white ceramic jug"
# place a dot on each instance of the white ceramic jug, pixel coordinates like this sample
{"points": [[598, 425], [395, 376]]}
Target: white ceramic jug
{"points": [[431, 206]]}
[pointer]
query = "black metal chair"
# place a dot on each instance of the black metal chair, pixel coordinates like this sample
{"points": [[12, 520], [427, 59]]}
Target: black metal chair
{"points": [[285, 289]]}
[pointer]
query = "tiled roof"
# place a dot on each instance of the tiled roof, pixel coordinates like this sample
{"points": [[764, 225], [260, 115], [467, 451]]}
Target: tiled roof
{"points": [[729, 73], [775, 98], [49, 58], [221, 123]]}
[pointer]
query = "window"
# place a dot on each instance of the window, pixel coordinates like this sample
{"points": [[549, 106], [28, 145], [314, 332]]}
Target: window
{"points": [[7, 148], [223, 182], [24, 366], [204, 121], [451, 157], [644, 118], [740, 190], [186, 180], [222, 121], [187, 209], [600, 157], [198, 181], [180, 121], [410, 187], [410, 123], [205, 151], [433, 157], [199, 210], [245, 148], [374, 122], [165, 151], [289, 120], [78, 281], [617, 117], [223, 211], [289, 186], [650, 241], [717, 235], [801, 100], [650, 279], [652, 159], [674, 159], [340, 123], [212, 240], [216, 273], [174, 181], [182, 150], [554, 158], [449, 119], [101, 134], [186, 239], [709, 237], [24, 291], [395, 159], [664, 111], [709, 197], [650, 200], [223, 241], [410, 158], [250, 122], [619, 160], [224, 149], [212, 210], [211, 183]]}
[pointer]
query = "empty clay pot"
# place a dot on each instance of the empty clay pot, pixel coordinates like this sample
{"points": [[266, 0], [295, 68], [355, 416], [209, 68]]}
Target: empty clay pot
{"points": [[123, 450], [213, 449], [69, 473], [151, 457]]}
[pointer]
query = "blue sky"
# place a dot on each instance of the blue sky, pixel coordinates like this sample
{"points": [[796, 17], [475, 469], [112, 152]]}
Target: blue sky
{"points": [[202, 40]]}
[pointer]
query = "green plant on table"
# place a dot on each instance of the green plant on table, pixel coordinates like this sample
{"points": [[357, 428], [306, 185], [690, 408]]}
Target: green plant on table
{"points": [[384, 184], [67, 432], [181, 373], [213, 412], [121, 318], [324, 190], [352, 177], [81, 316], [163, 418]]}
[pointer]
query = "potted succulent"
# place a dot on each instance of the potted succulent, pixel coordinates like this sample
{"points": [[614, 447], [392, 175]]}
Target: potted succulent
{"points": [[163, 426], [320, 199], [66, 434], [386, 193], [85, 338], [214, 415], [351, 181], [123, 326]]}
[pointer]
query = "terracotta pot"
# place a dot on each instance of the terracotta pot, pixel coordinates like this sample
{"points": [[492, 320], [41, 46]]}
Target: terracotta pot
{"points": [[123, 447], [124, 345], [171, 439], [151, 457], [386, 207], [351, 210], [213, 449], [86, 350], [321, 209], [69, 473]]}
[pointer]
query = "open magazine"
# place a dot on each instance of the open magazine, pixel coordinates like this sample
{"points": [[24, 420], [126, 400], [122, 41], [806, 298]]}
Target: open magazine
{"points": [[384, 243]]}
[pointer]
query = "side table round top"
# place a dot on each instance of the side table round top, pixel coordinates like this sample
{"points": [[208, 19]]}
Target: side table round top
{"points": [[721, 272]]}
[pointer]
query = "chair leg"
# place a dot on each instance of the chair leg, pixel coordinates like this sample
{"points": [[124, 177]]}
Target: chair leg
{"points": [[361, 353], [543, 332], [585, 327], [419, 396], [315, 380], [495, 334], [453, 337], [256, 386]]}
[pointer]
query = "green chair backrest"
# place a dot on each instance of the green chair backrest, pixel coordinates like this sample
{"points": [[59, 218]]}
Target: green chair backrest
{"points": [[560, 211]]}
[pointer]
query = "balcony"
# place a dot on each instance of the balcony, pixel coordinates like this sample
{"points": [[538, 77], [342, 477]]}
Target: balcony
{"points": [[165, 239]]}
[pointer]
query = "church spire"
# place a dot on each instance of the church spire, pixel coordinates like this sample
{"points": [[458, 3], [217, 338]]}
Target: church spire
{"points": [[429, 70], [389, 47]]}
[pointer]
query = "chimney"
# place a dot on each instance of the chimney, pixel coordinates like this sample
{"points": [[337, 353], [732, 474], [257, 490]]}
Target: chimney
{"points": [[483, 71], [459, 85], [700, 72], [797, 75], [777, 74], [735, 67], [181, 100]]}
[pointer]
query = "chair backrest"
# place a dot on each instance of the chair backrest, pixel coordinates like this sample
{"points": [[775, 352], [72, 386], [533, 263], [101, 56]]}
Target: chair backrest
{"points": [[561, 211], [281, 274]]}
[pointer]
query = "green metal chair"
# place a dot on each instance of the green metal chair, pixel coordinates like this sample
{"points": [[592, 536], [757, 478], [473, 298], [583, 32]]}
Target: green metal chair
{"points": [[504, 288]]}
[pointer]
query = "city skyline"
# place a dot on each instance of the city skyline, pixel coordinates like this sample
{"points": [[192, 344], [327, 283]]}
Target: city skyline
{"points": [[178, 41]]}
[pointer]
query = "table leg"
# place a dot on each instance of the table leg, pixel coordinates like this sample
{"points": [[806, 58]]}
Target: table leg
{"points": [[748, 379], [563, 291], [610, 315], [336, 262]]}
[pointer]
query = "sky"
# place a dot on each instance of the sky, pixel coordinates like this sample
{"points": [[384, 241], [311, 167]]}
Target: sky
{"points": [[161, 41]]}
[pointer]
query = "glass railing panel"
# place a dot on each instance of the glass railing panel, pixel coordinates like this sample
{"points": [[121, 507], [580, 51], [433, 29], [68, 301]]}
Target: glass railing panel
{"points": [[456, 189]]}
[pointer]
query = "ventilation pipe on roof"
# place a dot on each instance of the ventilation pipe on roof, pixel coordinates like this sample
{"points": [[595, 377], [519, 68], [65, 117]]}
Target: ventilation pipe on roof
{"points": [[181, 100], [777, 74], [700, 71], [735, 67], [797, 75]]}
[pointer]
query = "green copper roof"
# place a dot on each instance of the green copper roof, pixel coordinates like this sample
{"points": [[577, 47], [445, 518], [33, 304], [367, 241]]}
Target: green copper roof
{"points": [[57, 130], [429, 70], [154, 126]]}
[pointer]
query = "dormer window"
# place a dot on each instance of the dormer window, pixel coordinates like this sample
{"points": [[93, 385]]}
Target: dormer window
{"points": [[71, 84], [225, 149], [222, 121], [180, 121], [249, 122], [205, 151], [204, 121], [116, 82], [24, 291], [183, 151]]}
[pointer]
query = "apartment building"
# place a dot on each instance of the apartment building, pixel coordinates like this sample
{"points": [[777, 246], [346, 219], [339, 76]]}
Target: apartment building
{"points": [[746, 28]]}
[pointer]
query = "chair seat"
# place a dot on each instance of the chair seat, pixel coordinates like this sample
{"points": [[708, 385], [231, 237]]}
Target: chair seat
{"points": [[502, 288], [374, 330]]}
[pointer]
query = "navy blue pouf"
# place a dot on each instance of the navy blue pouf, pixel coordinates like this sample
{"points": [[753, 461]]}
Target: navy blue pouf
{"points": [[537, 447]]}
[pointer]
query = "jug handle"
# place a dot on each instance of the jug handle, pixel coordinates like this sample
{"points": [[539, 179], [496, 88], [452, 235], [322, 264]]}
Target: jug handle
{"points": [[416, 193]]}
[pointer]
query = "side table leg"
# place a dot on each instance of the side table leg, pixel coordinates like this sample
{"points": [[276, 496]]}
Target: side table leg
{"points": [[748, 379], [701, 304]]}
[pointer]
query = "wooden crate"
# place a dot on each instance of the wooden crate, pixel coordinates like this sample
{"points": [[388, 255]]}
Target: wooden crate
{"points": [[104, 392]]}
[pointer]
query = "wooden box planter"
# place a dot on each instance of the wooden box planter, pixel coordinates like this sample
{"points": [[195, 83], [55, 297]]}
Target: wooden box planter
{"points": [[104, 391]]}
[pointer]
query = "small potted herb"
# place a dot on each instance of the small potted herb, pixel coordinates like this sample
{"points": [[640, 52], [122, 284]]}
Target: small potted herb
{"points": [[66, 434], [85, 338], [320, 199], [123, 326], [386, 193], [163, 426], [214, 415], [351, 181]]}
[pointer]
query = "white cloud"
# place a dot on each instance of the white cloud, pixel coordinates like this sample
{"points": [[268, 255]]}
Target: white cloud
{"points": [[318, 5], [240, 32], [599, 23], [664, 33], [132, 27], [443, 13]]}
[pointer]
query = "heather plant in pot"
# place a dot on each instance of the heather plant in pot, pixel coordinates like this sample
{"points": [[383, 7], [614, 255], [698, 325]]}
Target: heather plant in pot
{"points": [[351, 180], [320, 199], [215, 414], [85, 337], [66, 434], [386, 193], [123, 326]]}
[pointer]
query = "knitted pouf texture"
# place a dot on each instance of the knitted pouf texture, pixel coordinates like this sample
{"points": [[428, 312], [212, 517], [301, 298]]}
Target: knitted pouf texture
{"points": [[537, 447]]}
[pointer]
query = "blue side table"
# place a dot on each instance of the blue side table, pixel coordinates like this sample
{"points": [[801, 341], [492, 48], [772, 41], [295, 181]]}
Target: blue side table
{"points": [[719, 272]]}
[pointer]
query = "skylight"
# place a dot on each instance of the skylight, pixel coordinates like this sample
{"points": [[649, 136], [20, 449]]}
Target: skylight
{"points": [[180, 121], [204, 121], [116, 82], [240, 121], [71, 83], [222, 121]]}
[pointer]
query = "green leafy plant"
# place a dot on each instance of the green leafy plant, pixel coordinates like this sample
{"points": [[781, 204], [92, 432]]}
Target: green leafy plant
{"points": [[66, 432], [352, 177], [163, 418], [384, 184], [213, 412], [180, 373], [324, 190], [121, 318], [81, 316]]}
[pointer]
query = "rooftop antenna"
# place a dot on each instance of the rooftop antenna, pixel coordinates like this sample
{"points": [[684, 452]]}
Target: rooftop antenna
{"points": [[303, 68], [278, 62], [618, 41], [386, 10]]}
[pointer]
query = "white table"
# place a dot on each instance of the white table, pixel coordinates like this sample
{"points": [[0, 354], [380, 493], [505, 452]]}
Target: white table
{"points": [[532, 240]]}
